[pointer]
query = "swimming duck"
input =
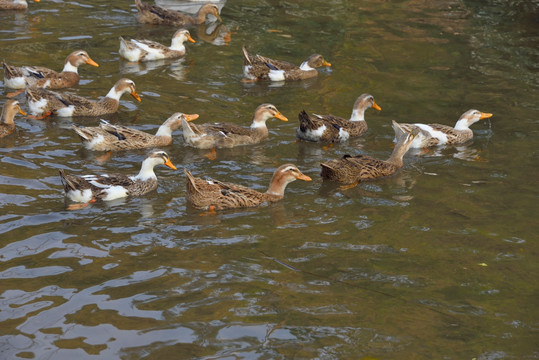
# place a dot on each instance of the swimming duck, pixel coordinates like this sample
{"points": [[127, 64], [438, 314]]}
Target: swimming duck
{"points": [[14, 4], [157, 15], [217, 195], [353, 169], [258, 67], [7, 126], [147, 50], [46, 102], [108, 137], [88, 188], [331, 128], [41, 77], [226, 135], [436, 134]]}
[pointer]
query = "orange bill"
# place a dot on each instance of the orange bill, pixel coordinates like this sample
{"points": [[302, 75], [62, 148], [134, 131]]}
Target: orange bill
{"points": [[135, 95], [190, 117], [375, 106], [303, 177], [191, 39], [216, 14], [280, 117], [91, 62], [170, 165], [325, 63], [20, 110], [485, 115]]}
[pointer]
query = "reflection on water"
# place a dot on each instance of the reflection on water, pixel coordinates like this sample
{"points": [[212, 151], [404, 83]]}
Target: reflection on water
{"points": [[421, 264]]}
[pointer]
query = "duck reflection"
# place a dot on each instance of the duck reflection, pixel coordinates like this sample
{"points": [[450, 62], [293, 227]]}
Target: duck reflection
{"points": [[214, 33], [177, 67]]}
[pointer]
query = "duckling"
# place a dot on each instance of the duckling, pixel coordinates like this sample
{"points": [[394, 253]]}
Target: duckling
{"points": [[41, 77], [354, 169], [108, 137], [89, 188], [331, 128], [48, 102], [218, 195], [147, 50], [257, 67], [7, 126], [226, 135], [14, 4], [436, 134], [157, 15]]}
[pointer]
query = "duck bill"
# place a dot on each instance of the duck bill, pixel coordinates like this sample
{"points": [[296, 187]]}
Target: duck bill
{"points": [[190, 117], [375, 106], [20, 111], [485, 115], [280, 117], [170, 165], [325, 63], [304, 177], [91, 62], [135, 95], [216, 14], [191, 39]]}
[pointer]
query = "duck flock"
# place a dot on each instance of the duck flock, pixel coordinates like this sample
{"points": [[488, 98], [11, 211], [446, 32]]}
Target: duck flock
{"points": [[38, 84]]}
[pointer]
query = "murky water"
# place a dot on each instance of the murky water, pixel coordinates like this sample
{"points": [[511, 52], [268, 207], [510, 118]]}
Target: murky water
{"points": [[439, 261]]}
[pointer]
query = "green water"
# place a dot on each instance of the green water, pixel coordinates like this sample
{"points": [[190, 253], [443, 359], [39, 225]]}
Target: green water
{"points": [[437, 262]]}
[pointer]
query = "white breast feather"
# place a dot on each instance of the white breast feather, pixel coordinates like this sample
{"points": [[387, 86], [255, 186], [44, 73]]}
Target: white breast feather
{"points": [[115, 192], [276, 75]]}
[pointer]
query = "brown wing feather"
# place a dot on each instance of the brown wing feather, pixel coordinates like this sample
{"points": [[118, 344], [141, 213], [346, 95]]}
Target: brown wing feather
{"points": [[154, 14], [226, 128], [357, 168]]}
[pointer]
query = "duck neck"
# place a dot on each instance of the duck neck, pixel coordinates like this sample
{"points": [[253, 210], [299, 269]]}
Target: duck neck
{"points": [[259, 127], [462, 125], [177, 44], [68, 67], [305, 66], [276, 187], [400, 149], [164, 131], [358, 114], [8, 113], [115, 94], [201, 16], [146, 171]]}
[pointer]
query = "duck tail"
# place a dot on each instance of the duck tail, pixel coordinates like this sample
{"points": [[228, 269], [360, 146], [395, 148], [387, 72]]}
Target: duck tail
{"points": [[246, 56], [327, 171], [304, 119], [66, 181], [140, 5], [190, 183], [81, 133]]}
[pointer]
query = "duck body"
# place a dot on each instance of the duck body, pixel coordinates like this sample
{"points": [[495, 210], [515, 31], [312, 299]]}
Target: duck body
{"points": [[258, 67], [227, 135], [218, 195], [108, 137], [16, 77], [331, 128], [14, 4], [157, 15], [41, 101], [354, 169], [147, 50], [113, 186], [437, 134], [10, 109]]}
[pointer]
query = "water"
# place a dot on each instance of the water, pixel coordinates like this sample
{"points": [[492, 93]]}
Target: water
{"points": [[439, 261]]}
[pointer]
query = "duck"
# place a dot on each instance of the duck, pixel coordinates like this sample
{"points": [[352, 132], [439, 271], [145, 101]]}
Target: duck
{"points": [[437, 134], [109, 137], [227, 135], [89, 188], [14, 4], [10, 109], [16, 77], [147, 50], [354, 169], [258, 67], [46, 102], [157, 15], [217, 195], [331, 128]]}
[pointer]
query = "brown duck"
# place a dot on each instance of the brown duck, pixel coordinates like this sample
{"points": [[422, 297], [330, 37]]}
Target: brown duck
{"points": [[331, 128], [88, 188], [258, 67], [437, 134], [46, 102], [217, 195], [14, 4], [108, 137], [354, 169], [41, 77], [7, 126], [226, 135], [157, 15]]}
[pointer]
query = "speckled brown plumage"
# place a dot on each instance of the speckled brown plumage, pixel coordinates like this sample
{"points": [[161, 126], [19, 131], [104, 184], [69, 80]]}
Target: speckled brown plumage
{"points": [[14, 4], [352, 169], [10, 109], [255, 67], [331, 128], [217, 195], [157, 15]]}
